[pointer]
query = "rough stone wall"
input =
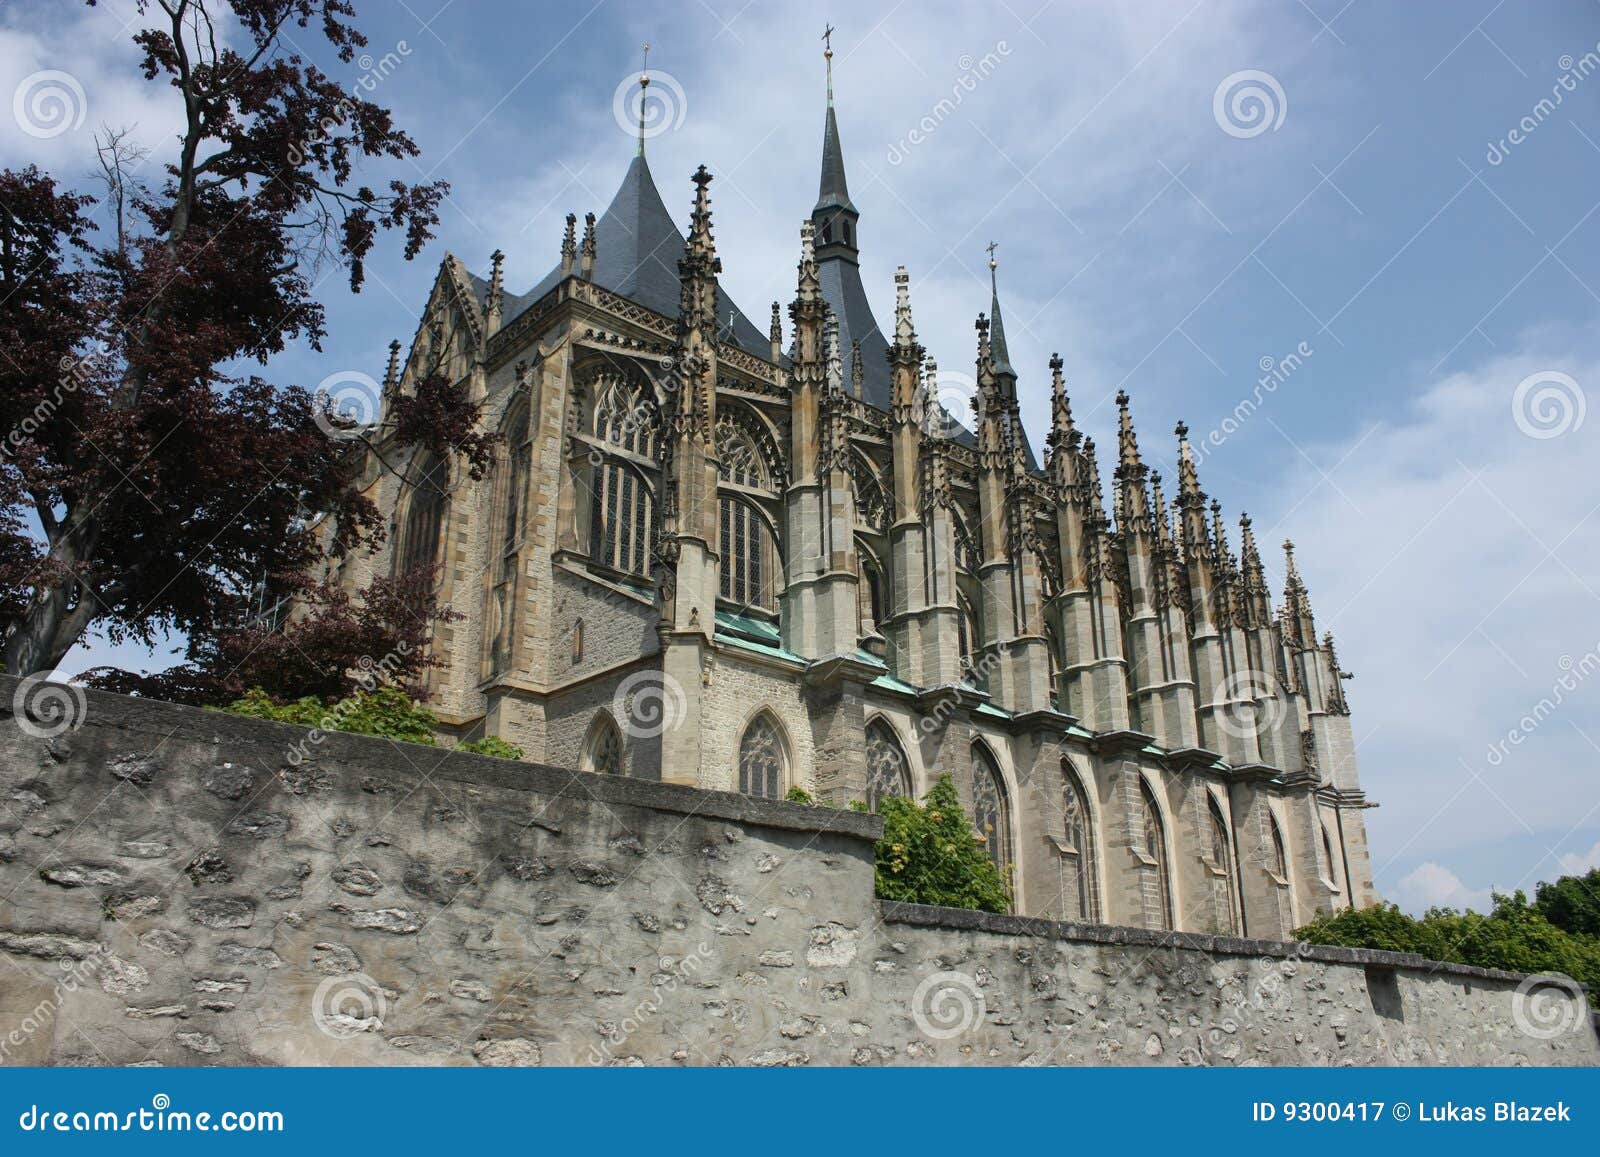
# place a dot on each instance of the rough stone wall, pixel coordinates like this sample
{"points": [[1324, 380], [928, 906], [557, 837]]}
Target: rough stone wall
{"points": [[177, 890]]}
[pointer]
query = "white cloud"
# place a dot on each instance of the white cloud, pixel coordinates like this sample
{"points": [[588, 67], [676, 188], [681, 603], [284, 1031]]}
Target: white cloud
{"points": [[1581, 863], [1456, 560], [1433, 885]]}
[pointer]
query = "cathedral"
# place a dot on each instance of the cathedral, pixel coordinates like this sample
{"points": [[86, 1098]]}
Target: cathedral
{"points": [[754, 562]]}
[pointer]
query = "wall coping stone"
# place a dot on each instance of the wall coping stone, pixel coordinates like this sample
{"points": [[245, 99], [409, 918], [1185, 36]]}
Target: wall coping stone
{"points": [[966, 920], [249, 736]]}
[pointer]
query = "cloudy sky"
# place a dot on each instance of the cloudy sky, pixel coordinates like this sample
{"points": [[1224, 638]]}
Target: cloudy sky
{"points": [[1405, 198]]}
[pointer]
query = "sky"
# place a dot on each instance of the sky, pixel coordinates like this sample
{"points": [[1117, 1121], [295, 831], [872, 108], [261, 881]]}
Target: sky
{"points": [[1355, 246]]}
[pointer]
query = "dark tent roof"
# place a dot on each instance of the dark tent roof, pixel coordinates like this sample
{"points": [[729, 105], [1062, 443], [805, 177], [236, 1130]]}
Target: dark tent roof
{"points": [[637, 247]]}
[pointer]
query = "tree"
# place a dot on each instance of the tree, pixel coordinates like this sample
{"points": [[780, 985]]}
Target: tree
{"points": [[1514, 936], [929, 854], [144, 488], [333, 646], [1572, 903]]}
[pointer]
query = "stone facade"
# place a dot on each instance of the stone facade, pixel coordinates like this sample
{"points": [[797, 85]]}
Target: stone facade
{"points": [[712, 558], [190, 888]]}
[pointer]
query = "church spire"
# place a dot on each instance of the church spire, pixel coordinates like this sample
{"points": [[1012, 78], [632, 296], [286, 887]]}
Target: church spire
{"points": [[997, 330], [833, 192], [644, 93]]}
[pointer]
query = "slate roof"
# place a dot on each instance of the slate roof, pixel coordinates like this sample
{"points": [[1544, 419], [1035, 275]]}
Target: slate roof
{"points": [[637, 248]]}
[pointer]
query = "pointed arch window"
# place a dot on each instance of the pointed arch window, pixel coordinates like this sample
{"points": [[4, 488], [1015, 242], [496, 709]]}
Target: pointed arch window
{"points": [[990, 814], [888, 771], [1328, 857], [1280, 856], [1220, 857], [1077, 848], [762, 758], [748, 551], [1150, 836], [603, 751], [623, 513], [424, 517], [511, 499]]}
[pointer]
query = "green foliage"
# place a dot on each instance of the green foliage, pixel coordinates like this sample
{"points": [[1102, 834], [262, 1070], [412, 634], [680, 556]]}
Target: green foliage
{"points": [[491, 745], [798, 794], [1572, 903], [1514, 936], [387, 712], [930, 854]]}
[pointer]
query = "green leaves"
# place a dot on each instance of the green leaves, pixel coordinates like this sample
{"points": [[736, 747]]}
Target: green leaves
{"points": [[491, 745], [930, 854], [1515, 936]]}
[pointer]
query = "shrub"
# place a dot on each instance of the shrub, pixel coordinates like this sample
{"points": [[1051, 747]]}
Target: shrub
{"points": [[1514, 936], [1572, 903], [930, 854], [386, 712], [491, 745]]}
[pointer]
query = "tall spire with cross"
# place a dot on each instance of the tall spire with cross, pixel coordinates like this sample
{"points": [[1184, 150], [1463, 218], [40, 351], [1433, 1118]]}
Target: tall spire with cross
{"points": [[644, 94]]}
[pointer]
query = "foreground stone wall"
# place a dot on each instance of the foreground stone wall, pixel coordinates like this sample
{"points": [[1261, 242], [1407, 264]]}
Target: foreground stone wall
{"points": [[182, 887]]}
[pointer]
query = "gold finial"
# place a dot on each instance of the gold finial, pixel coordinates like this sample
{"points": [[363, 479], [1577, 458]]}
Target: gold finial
{"points": [[992, 246]]}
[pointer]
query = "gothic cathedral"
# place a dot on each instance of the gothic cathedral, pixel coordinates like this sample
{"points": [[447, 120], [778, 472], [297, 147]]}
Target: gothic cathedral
{"points": [[710, 558]]}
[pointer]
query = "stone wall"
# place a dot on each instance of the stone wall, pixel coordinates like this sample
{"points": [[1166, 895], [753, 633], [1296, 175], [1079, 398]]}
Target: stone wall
{"points": [[175, 888]]}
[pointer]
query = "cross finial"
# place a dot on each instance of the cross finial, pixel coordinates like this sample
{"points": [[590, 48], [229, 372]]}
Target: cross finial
{"points": [[827, 52], [644, 88], [991, 247]]}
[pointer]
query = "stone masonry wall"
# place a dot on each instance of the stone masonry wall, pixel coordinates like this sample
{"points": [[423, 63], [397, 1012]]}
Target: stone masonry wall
{"points": [[176, 887]]}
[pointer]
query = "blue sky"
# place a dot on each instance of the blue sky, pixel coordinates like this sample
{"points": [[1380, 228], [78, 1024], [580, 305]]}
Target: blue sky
{"points": [[1445, 519]]}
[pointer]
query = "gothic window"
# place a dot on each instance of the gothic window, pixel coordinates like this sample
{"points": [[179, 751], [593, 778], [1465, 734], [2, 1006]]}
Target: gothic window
{"points": [[762, 759], [1077, 850], [424, 517], [510, 498], [603, 752], [623, 518], [871, 587], [625, 418], [748, 554], [888, 773], [1280, 856], [1327, 853], [872, 505], [577, 642], [989, 813], [1151, 836], [1222, 864]]}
